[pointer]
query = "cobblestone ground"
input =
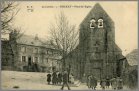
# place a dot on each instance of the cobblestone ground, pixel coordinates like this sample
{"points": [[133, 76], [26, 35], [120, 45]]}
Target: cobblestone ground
{"points": [[33, 81]]}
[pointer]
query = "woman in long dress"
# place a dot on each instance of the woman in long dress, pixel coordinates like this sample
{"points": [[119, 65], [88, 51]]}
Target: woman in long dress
{"points": [[48, 78], [54, 78], [89, 81]]}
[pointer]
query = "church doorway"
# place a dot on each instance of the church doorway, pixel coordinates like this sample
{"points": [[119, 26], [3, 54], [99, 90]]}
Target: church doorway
{"points": [[96, 72], [96, 67]]}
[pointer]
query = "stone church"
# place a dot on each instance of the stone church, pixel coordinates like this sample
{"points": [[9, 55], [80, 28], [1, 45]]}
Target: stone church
{"points": [[97, 53]]}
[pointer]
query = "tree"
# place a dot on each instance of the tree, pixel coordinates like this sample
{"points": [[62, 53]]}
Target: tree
{"points": [[8, 12], [63, 35]]}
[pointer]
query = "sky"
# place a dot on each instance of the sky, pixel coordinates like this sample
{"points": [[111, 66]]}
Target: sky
{"points": [[124, 14]]}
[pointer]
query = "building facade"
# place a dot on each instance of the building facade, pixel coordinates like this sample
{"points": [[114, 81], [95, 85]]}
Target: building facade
{"points": [[30, 50], [96, 54]]}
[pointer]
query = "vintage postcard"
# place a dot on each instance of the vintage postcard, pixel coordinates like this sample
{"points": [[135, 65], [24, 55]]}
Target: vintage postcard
{"points": [[69, 45]]}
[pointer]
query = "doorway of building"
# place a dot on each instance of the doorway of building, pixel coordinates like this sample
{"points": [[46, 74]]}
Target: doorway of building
{"points": [[29, 64], [96, 67], [29, 61]]}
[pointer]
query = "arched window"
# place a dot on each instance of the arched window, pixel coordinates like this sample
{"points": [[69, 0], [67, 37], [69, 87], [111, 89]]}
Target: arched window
{"points": [[92, 23], [100, 23]]}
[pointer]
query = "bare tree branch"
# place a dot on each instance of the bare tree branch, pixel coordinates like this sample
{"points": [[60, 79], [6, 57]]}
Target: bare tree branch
{"points": [[63, 34], [8, 11]]}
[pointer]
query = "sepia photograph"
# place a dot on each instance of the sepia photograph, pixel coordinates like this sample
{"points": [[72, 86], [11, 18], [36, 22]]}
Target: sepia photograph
{"points": [[69, 45]]}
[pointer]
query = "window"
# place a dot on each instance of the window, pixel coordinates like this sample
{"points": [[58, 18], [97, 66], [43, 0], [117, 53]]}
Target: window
{"points": [[50, 52], [92, 23], [23, 49], [23, 58], [36, 59], [29, 49], [100, 23], [36, 50], [96, 46], [55, 53]]}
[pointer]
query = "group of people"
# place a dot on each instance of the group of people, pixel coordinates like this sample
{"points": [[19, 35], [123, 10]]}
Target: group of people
{"points": [[54, 78], [91, 82], [63, 78], [115, 83]]}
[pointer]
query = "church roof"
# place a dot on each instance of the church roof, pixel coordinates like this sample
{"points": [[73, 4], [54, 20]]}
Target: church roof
{"points": [[132, 57], [97, 12]]}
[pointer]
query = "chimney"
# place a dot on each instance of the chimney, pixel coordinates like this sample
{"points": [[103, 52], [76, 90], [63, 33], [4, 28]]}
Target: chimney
{"points": [[36, 37]]}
